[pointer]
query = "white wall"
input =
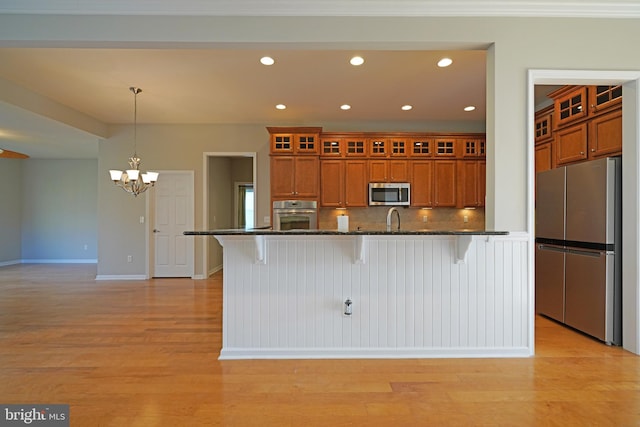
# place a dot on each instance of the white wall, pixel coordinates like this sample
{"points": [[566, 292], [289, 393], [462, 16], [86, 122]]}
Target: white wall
{"points": [[10, 210]]}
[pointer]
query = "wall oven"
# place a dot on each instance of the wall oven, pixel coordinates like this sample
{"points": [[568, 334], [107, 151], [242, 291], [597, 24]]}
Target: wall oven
{"points": [[389, 193], [295, 215]]}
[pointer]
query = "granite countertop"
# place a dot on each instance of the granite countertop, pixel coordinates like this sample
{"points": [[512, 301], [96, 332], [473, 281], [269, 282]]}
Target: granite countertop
{"points": [[269, 232]]}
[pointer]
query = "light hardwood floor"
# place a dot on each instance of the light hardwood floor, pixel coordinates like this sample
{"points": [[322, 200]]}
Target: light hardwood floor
{"points": [[144, 353]]}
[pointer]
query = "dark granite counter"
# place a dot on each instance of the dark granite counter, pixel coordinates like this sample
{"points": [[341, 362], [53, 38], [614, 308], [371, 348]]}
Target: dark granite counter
{"points": [[269, 232]]}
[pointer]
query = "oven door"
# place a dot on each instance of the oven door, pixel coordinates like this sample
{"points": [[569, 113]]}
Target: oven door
{"points": [[295, 219]]}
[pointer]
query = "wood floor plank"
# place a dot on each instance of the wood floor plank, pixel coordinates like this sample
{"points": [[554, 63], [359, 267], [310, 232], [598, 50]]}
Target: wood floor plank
{"points": [[144, 353]]}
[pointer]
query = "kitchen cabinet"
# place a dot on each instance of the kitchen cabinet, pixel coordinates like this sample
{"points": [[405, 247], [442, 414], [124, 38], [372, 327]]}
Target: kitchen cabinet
{"points": [[355, 146], [295, 177], [343, 183], [544, 157], [378, 147], [570, 104], [388, 170], [421, 147], [472, 147], [605, 135], [543, 125], [422, 183], [471, 183], [445, 148], [299, 141], [604, 98], [398, 147], [445, 183], [571, 144], [331, 147]]}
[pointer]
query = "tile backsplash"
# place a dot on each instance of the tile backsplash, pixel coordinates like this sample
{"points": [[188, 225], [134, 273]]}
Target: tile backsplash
{"points": [[375, 218]]}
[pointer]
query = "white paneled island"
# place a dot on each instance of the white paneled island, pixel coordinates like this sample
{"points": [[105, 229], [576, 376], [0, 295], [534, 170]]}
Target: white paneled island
{"points": [[374, 294]]}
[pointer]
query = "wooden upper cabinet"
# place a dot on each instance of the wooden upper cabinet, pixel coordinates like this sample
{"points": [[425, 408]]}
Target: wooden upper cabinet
{"points": [[471, 183], [543, 125], [445, 147], [421, 178], [378, 147], [331, 147], [332, 183], [355, 183], [302, 140], [544, 157], [570, 104], [295, 177], [605, 135], [355, 146], [343, 183], [445, 184], [571, 144], [421, 147], [398, 147], [472, 147], [604, 98], [388, 170]]}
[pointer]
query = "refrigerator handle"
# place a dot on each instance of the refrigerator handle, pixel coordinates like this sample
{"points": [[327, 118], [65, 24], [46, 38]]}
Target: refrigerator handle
{"points": [[544, 247], [594, 254]]}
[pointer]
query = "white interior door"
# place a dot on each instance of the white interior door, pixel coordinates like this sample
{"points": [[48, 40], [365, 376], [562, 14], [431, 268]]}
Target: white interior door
{"points": [[174, 209]]}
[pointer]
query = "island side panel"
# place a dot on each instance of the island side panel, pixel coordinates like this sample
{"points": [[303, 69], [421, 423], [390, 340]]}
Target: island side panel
{"points": [[410, 298]]}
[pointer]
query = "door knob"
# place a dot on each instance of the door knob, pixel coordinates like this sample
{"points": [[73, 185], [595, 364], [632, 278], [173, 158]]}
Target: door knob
{"points": [[156, 230]]}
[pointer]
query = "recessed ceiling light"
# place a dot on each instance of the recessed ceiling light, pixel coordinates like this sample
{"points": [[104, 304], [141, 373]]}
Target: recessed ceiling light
{"points": [[281, 107], [345, 107], [469, 108], [407, 107], [357, 60], [445, 62], [267, 60]]}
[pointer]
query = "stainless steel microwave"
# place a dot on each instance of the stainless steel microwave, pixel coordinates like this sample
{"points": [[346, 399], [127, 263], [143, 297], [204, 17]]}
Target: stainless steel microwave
{"points": [[389, 193]]}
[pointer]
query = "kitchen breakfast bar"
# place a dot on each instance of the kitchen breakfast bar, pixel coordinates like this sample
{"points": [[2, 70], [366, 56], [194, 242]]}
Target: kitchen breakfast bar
{"points": [[374, 294]]}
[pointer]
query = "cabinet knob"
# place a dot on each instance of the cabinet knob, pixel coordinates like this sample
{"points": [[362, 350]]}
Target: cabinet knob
{"points": [[593, 150], [582, 153]]}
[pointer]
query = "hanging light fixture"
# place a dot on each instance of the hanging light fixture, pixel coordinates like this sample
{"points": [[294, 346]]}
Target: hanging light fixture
{"points": [[131, 180]]}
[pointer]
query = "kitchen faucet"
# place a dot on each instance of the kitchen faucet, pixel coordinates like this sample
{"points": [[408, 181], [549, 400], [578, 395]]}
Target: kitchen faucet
{"points": [[389, 214]]}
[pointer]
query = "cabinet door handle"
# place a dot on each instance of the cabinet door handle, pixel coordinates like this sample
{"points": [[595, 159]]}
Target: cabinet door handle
{"points": [[582, 153], [593, 150]]}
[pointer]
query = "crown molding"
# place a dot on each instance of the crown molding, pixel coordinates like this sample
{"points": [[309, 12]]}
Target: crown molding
{"points": [[354, 8]]}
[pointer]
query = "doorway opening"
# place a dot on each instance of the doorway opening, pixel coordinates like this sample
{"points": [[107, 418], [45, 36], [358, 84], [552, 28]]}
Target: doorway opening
{"points": [[244, 205], [630, 185], [229, 200]]}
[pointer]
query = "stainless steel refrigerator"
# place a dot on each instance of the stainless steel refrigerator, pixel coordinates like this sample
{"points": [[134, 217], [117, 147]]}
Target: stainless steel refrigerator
{"points": [[578, 245]]}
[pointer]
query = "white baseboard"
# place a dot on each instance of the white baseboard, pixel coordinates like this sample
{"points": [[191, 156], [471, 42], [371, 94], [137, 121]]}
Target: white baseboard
{"points": [[121, 277], [59, 261], [372, 353], [214, 270], [6, 263]]}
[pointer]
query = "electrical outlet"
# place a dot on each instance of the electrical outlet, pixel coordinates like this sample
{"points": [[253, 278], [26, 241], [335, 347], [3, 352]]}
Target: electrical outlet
{"points": [[86, 247], [425, 218], [465, 218], [129, 258], [141, 220], [266, 219]]}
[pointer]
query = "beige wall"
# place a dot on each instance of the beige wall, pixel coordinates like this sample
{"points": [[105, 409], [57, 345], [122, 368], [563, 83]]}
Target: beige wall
{"points": [[10, 210], [515, 46]]}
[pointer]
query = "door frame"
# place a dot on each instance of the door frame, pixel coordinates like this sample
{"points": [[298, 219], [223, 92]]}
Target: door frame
{"points": [[205, 197], [150, 205], [630, 187]]}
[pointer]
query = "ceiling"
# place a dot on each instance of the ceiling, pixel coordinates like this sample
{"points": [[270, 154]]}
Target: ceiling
{"points": [[58, 103], [231, 86]]}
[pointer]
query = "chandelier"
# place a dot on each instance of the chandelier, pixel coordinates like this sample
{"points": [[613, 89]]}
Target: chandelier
{"points": [[131, 180]]}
